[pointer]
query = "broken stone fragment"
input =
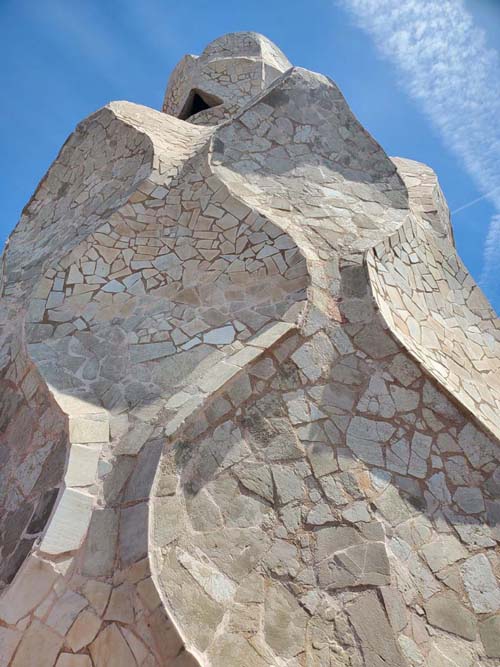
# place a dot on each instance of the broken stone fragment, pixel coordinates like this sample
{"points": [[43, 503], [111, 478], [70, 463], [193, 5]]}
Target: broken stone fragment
{"points": [[446, 612]]}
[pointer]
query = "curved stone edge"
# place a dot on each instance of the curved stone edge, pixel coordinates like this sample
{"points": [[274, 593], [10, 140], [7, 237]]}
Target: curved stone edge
{"points": [[425, 196], [187, 408], [48, 195], [87, 425], [50, 560], [69, 522], [393, 245], [88, 429], [162, 143]]}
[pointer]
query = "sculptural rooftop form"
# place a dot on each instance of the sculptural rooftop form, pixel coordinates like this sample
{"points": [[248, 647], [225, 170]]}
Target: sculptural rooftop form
{"points": [[250, 394]]}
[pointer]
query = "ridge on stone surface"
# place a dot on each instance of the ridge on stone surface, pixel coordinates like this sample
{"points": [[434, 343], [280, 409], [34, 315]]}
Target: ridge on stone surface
{"points": [[249, 393]]}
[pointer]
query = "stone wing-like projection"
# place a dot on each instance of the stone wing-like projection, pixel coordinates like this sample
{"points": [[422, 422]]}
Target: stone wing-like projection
{"points": [[249, 393]]}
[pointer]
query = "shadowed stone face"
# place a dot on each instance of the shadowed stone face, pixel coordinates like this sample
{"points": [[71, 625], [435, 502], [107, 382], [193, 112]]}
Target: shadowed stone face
{"points": [[249, 393]]}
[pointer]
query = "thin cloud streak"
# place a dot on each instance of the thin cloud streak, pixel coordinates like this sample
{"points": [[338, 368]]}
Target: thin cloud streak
{"points": [[447, 67], [475, 201]]}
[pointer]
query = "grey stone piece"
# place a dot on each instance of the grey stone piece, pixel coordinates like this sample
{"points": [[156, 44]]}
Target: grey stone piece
{"points": [[489, 631], [446, 612], [469, 500], [150, 351], [322, 458], [363, 564], [372, 627], [481, 584], [256, 478], [473, 532], [282, 559], [365, 437], [139, 484], [285, 622], [405, 400], [493, 517], [420, 449], [288, 484], [477, 447], [132, 543], [393, 506], [395, 607], [101, 542], [443, 552]]}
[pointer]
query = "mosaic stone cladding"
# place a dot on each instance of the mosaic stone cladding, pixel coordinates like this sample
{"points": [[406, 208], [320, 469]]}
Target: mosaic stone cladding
{"points": [[250, 394]]}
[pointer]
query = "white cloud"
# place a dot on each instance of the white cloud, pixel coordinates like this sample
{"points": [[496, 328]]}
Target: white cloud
{"points": [[446, 65]]}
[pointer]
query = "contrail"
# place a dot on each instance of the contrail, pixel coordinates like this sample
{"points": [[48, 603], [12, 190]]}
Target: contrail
{"points": [[475, 201], [446, 65]]}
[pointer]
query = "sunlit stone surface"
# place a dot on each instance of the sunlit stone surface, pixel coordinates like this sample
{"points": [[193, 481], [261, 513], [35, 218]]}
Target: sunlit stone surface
{"points": [[250, 394]]}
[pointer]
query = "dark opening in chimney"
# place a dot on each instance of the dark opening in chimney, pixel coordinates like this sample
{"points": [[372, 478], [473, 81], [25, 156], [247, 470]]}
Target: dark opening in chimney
{"points": [[198, 101]]}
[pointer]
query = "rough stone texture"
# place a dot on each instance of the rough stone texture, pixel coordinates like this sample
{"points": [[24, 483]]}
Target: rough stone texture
{"points": [[490, 636], [252, 418]]}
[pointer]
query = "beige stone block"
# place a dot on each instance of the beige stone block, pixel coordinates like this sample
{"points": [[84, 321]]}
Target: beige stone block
{"points": [[245, 356], [89, 428], [83, 630], [148, 593], [73, 405], [38, 648], [97, 593], [139, 650], [82, 465], [111, 650], [9, 639], [218, 376], [30, 587], [271, 335], [69, 523], [120, 606], [69, 660]]}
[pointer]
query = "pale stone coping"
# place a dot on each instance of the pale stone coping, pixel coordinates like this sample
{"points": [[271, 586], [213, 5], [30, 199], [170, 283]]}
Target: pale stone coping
{"points": [[70, 520], [88, 430], [404, 234], [269, 336], [82, 464], [425, 196], [66, 529], [69, 523]]}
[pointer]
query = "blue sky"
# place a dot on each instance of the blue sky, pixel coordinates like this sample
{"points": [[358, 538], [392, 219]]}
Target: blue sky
{"points": [[423, 76]]}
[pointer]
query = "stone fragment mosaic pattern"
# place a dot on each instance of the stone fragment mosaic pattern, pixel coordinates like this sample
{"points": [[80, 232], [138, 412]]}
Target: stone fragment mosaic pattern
{"points": [[250, 394]]}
